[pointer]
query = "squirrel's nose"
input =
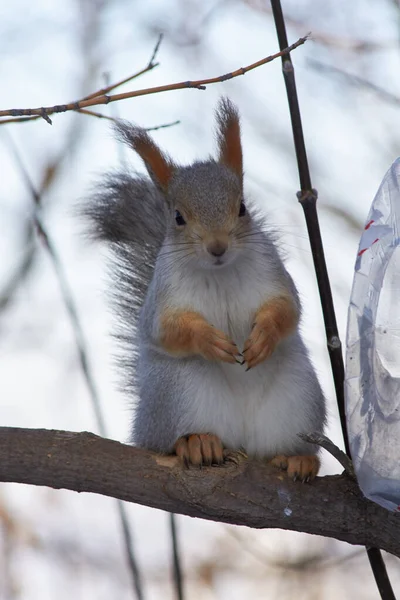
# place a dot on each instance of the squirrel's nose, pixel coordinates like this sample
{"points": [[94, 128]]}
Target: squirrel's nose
{"points": [[216, 248]]}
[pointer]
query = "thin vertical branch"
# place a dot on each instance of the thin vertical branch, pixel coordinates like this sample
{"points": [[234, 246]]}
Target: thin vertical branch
{"points": [[380, 573], [308, 199], [178, 579], [22, 270], [83, 354]]}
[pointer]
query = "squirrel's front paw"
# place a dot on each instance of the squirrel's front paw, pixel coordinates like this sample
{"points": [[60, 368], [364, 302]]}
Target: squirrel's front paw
{"points": [[302, 468], [200, 449], [261, 343], [213, 344]]}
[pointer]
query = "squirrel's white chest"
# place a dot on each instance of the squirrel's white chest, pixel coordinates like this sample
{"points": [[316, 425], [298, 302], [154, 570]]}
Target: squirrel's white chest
{"points": [[228, 300], [261, 410]]}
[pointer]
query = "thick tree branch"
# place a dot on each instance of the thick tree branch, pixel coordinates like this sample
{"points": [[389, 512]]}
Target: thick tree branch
{"points": [[250, 493]]}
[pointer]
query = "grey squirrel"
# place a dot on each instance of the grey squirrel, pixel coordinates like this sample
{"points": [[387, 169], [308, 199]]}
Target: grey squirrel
{"points": [[208, 313]]}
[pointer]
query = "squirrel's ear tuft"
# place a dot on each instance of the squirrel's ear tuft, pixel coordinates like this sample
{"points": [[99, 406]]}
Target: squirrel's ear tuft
{"points": [[159, 166], [228, 132]]}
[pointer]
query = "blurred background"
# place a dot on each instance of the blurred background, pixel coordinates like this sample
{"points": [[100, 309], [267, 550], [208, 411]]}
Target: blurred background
{"points": [[59, 544]]}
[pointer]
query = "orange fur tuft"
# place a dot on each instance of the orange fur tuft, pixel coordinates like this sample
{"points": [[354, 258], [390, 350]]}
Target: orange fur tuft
{"points": [[302, 468], [229, 144], [186, 333], [156, 162], [178, 331], [274, 320], [160, 167], [283, 312], [200, 449]]}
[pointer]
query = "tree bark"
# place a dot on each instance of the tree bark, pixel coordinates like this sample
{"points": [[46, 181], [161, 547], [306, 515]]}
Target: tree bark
{"points": [[250, 493]]}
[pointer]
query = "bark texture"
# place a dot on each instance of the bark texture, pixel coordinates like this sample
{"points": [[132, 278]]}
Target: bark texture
{"points": [[250, 493]]}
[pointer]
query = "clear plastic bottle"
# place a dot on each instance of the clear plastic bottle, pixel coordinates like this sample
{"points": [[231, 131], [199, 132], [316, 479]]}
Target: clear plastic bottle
{"points": [[372, 382]]}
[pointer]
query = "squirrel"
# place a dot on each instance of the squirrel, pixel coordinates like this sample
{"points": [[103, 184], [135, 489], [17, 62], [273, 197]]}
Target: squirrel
{"points": [[208, 314]]}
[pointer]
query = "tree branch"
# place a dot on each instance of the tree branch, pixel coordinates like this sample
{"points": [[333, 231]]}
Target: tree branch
{"points": [[250, 493], [101, 98]]}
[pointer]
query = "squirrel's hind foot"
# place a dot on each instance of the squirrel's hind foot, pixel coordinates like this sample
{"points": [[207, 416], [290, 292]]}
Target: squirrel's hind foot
{"points": [[302, 468], [200, 449]]}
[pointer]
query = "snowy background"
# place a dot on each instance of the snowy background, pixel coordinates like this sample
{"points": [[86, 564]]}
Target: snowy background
{"points": [[59, 544]]}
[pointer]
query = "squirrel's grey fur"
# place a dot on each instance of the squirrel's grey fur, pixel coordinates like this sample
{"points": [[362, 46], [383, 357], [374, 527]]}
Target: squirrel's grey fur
{"points": [[128, 213], [261, 411]]}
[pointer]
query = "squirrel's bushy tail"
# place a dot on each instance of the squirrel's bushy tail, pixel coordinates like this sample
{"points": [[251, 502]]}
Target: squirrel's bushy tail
{"points": [[127, 213]]}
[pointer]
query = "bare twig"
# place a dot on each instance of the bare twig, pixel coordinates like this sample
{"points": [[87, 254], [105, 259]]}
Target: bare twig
{"points": [[176, 556], [329, 446], [19, 120], [65, 289], [155, 51], [200, 84], [24, 267], [163, 126], [149, 67], [328, 38], [21, 270], [92, 113], [319, 561], [355, 80]]}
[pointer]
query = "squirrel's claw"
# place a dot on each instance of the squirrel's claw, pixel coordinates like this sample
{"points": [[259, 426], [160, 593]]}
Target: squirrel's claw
{"points": [[280, 462], [202, 449], [215, 345], [260, 344], [303, 468], [234, 456]]}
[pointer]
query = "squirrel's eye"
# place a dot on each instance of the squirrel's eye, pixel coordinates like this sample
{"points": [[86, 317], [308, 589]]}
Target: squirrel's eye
{"points": [[242, 209], [179, 219]]}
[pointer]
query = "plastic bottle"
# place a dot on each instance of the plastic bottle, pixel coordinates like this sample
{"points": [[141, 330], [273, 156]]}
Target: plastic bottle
{"points": [[372, 382]]}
